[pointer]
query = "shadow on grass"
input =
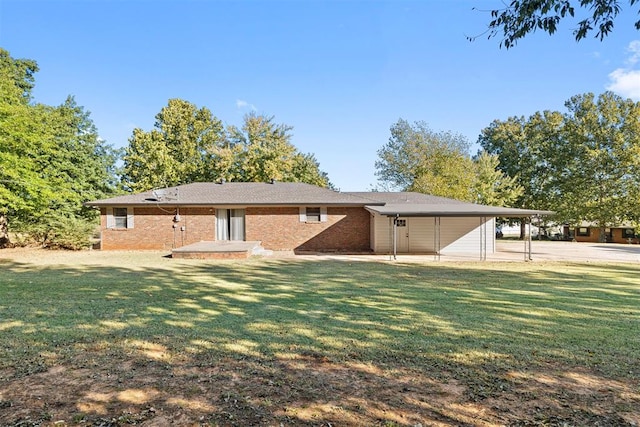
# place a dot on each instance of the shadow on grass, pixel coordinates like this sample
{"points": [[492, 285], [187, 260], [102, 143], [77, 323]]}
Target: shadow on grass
{"points": [[316, 342]]}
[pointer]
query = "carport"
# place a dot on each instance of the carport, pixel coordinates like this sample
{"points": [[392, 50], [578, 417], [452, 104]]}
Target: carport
{"points": [[477, 216]]}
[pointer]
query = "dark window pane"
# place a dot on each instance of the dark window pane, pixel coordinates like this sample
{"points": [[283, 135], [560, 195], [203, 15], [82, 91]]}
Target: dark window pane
{"points": [[313, 214], [120, 217]]}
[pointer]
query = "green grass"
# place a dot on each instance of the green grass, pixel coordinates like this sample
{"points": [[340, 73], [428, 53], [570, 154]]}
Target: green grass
{"points": [[469, 320], [519, 313]]}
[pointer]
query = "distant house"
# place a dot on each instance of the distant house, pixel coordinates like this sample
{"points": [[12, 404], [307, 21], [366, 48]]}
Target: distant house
{"points": [[589, 232], [298, 217]]}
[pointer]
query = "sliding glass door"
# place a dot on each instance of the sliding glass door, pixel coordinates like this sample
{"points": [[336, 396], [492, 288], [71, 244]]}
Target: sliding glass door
{"points": [[229, 224]]}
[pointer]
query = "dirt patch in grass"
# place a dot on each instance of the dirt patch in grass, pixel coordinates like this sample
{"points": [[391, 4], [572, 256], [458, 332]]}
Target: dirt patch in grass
{"points": [[99, 389]]}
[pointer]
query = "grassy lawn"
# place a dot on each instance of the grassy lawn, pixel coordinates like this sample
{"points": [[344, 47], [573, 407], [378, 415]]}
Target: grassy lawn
{"points": [[98, 338]]}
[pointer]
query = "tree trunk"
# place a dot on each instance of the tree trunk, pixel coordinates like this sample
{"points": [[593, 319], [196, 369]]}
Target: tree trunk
{"points": [[523, 229], [4, 232], [602, 237]]}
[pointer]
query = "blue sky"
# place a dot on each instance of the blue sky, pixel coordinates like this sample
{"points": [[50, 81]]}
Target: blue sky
{"points": [[340, 72]]}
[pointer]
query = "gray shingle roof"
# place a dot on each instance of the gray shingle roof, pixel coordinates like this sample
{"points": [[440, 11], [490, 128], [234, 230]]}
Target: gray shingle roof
{"points": [[236, 193], [452, 209], [404, 197], [300, 194]]}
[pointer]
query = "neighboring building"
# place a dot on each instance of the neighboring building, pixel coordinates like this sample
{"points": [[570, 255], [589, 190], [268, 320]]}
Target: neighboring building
{"points": [[588, 232], [298, 217]]}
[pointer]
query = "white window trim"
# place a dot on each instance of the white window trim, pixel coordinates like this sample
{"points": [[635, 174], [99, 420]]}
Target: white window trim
{"points": [[303, 213], [323, 214], [111, 220], [129, 217]]}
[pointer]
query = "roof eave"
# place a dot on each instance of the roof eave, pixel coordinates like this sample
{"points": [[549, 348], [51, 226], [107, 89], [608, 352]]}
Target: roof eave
{"points": [[239, 203], [497, 212]]}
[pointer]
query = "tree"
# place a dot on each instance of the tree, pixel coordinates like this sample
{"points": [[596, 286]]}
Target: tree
{"points": [[601, 160], [16, 78], [419, 159], [177, 151], [492, 186], [583, 164], [264, 152], [70, 165], [307, 169], [525, 148], [522, 17], [189, 145], [51, 158], [18, 134]]}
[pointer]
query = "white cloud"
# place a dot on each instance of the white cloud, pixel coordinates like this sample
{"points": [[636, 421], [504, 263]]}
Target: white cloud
{"points": [[244, 104], [634, 49], [626, 81]]}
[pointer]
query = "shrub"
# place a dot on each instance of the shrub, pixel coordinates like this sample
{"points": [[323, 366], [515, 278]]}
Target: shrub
{"points": [[61, 233]]}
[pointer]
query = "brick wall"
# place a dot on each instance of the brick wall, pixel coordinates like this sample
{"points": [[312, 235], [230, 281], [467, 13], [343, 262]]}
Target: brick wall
{"points": [[153, 229], [346, 229], [617, 236]]}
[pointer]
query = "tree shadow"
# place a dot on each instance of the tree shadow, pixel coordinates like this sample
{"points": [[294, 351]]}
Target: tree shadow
{"points": [[314, 342]]}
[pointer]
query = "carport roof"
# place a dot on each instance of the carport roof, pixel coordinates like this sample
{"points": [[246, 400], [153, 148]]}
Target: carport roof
{"points": [[452, 210], [403, 198]]}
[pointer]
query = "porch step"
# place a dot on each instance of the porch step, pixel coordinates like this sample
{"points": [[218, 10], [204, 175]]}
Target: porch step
{"points": [[226, 249], [260, 251]]}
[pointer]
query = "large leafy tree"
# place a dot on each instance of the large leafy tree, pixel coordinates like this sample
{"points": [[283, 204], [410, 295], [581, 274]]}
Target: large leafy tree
{"points": [[264, 151], [583, 164], [177, 151], [418, 159], [51, 158], [600, 171], [521, 17], [492, 186], [19, 131], [525, 149], [189, 144]]}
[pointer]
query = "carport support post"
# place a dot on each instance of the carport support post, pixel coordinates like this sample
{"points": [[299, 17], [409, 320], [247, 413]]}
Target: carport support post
{"points": [[527, 239], [437, 237], [530, 258], [483, 238], [395, 232]]}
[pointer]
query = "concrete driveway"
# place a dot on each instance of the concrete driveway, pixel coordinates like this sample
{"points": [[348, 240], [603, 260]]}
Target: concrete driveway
{"points": [[514, 251], [568, 251]]}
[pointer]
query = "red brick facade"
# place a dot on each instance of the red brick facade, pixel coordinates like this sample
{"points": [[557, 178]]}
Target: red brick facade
{"points": [[278, 228], [346, 229], [612, 234], [154, 229]]}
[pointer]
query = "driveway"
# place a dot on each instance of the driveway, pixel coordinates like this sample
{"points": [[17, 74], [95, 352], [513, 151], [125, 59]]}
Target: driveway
{"points": [[513, 250], [568, 251]]}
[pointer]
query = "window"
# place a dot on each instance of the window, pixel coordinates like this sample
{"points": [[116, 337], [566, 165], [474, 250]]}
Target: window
{"points": [[120, 217], [582, 231], [230, 224], [401, 222], [628, 233], [313, 214]]}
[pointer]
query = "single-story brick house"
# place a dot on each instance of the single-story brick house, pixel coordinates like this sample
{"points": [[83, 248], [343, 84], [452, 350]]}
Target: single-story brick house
{"points": [[589, 232], [298, 217]]}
